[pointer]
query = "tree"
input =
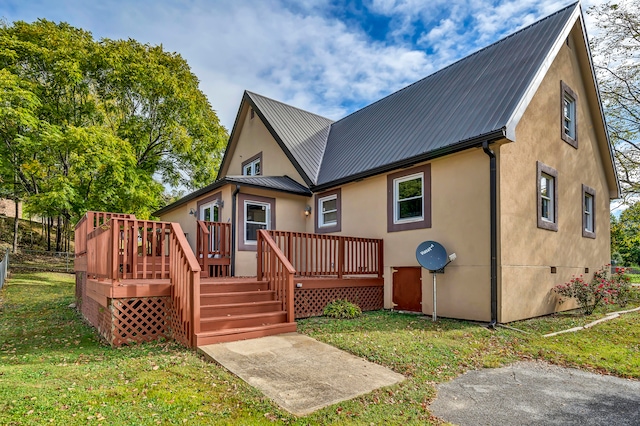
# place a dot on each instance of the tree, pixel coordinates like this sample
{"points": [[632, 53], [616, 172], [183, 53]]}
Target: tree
{"points": [[111, 121], [616, 49], [625, 235]]}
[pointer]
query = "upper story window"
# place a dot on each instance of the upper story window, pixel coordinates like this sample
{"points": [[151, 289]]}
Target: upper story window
{"points": [[569, 116], [408, 195], [409, 199], [547, 197], [588, 212], [253, 166]]}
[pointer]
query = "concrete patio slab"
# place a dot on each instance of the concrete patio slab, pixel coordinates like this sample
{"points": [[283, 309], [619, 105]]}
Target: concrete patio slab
{"points": [[537, 393], [299, 373]]}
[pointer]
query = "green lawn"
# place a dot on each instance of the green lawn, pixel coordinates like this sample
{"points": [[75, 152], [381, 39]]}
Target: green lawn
{"points": [[53, 368]]}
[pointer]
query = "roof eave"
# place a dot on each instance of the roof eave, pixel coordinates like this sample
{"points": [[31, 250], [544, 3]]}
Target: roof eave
{"points": [[475, 142]]}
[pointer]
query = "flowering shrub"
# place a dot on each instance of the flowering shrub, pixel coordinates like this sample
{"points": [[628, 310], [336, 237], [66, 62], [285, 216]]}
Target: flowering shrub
{"points": [[604, 288]]}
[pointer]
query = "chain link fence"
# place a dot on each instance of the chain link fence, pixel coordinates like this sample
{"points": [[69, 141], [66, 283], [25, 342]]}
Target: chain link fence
{"points": [[4, 268], [40, 260]]}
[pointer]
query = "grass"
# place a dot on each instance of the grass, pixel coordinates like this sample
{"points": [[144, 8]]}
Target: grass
{"points": [[53, 368]]}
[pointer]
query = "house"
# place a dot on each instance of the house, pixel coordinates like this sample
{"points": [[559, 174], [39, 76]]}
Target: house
{"points": [[503, 157]]}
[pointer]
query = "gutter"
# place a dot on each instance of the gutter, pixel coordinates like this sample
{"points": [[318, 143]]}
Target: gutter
{"points": [[474, 142], [233, 229], [494, 233]]}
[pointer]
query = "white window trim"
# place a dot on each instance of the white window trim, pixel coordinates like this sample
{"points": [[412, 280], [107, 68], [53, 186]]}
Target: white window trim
{"points": [[588, 212], [322, 212], [247, 221], [569, 131], [396, 201], [550, 197], [251, 166]]}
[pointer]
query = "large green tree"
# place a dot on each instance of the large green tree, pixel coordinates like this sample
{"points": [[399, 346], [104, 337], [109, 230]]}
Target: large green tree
{"points": [[616, 51], [109, 122], [625, 235]]}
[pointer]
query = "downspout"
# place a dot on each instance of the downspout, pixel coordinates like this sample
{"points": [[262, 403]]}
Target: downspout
{"points": [[233, 230], [494, 234]]}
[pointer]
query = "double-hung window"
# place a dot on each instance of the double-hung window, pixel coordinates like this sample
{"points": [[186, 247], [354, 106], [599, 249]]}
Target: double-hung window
{"points": [[257, 216], [588, 212], [569, 116], [547, 197], [408, 195], [328, 211], [409, 199]]}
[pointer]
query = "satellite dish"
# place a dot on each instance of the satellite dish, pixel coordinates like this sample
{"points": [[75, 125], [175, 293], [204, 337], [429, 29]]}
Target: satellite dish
{"points": [[431, 255]]}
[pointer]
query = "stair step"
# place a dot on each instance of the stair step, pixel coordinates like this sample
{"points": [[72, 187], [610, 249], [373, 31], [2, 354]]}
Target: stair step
{"points": [[230, 287], [239, 308], [242, 321], [236, 297], [229, 280], [235, 334]]}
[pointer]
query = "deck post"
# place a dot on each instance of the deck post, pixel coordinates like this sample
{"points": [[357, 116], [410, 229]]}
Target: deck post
{"points": [[259, 248], [341, 242], [380, 258]]}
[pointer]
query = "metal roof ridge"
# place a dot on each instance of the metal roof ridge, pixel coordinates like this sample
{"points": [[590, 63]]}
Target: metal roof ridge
{"points": [[460, 60], [289, 106]]}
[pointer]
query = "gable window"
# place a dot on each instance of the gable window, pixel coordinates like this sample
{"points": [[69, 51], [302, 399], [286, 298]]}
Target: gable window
{"points": [[409, 199], [588, 212], [328, 205], [547, 197], [569, 116], [253, 166], [255, 213]]}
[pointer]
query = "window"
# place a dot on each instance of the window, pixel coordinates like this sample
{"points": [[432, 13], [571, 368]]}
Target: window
{"points": [[408, 195], [253, 166], [588, 212], [328, 205], [255, 213], [256, 217], [569, 116], [547, 197], [409, 199]]}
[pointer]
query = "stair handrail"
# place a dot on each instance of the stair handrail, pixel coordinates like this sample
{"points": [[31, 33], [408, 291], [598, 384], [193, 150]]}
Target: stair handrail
{"points": [[273, 265], [184, 273]]}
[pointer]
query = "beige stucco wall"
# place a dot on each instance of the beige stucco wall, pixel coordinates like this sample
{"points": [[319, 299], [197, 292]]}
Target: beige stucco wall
{"points": [[289, 217], [188, 222], [254, 138], [460, 222], [528, 253]]}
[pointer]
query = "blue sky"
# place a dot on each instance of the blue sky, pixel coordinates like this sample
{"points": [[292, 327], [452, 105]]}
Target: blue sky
{"points": [[326, 56]]}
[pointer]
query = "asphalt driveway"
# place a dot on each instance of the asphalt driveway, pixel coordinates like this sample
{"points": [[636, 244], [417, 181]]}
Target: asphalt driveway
{"points": [[537, 393]]}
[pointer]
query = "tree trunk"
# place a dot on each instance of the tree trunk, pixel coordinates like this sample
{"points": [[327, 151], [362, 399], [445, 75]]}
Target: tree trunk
{"points": [[16, 223], [58, 235], [49, 220]]}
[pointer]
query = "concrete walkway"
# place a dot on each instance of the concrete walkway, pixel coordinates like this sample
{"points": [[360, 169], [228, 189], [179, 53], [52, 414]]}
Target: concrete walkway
{"points": [[537, 393], [299, 373]]}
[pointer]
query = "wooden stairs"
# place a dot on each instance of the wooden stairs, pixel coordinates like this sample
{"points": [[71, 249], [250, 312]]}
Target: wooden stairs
{"points": [[239, 308]]}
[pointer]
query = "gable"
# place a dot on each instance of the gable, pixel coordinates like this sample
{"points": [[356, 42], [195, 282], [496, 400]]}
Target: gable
{"points": [[251, 138]]}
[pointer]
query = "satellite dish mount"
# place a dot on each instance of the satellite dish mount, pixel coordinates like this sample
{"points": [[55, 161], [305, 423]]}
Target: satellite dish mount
{"points": [[432, 255]]}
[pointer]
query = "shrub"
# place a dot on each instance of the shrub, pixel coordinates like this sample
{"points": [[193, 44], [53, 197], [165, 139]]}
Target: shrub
{"points": [[342, 309], [604, 288]]}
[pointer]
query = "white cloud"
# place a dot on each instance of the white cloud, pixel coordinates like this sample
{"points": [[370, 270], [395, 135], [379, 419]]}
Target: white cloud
{"points": [[297, 51]]}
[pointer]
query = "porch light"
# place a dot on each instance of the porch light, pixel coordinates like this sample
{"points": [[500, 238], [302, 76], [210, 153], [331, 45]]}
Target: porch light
{"points": [[307, 210], [192, 212]]}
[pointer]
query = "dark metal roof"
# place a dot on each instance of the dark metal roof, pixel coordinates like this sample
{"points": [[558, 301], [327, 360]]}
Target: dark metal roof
{"points": [[474, 96], [302, 133], [275, 183], [278, 183]]}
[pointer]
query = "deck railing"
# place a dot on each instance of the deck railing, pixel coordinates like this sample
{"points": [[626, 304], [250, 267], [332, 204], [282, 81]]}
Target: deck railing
{"points": [[274, 268], [330, 255], [129, 249], [184, 272], [90, 221], [213, 248]]}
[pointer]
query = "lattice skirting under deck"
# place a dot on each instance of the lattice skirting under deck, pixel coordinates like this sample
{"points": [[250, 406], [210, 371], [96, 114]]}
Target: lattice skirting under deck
{"points": [[138, 320], [312, 301]]}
